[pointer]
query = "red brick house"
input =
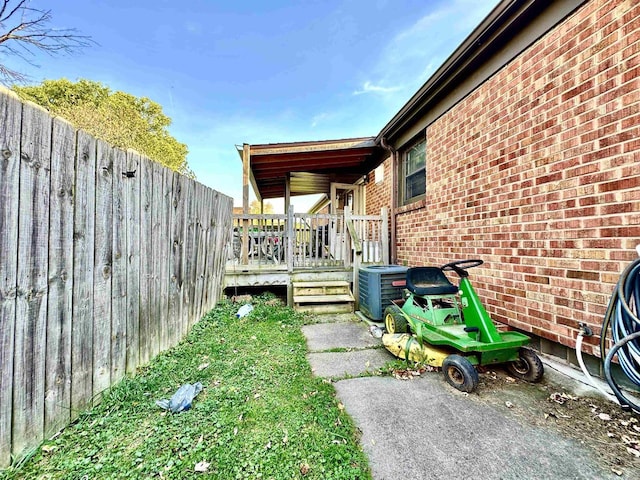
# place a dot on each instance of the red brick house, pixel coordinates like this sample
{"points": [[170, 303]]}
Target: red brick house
{"points": [[522, 150], [526, 142]]}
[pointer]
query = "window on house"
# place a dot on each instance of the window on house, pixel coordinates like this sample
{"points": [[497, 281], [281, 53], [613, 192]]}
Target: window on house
{"points": [[413, 175]]}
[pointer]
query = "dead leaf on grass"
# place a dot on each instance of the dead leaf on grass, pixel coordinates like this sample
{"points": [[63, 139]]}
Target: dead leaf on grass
{"points": [[555, 415], [202, 366], [561, 398], [48, 448], [634, 452], [304, 468]]}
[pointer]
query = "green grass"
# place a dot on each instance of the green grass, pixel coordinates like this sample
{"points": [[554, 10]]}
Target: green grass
{"points": [[261, 414]]}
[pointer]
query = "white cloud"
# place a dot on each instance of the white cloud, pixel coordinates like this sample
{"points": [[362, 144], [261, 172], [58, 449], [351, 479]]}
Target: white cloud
{"points": [[193, 27], [320, 118], [415, 52], [369, 87]]}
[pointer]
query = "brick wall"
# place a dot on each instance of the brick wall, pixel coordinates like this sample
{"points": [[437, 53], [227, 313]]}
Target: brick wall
{"points": [[379, 194], [538, 173]]}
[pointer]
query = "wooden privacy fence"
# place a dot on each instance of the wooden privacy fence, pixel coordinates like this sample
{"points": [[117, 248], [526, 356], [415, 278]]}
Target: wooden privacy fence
{"points": [[107, 258]]}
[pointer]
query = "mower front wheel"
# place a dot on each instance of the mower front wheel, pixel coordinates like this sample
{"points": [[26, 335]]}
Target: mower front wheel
{"points": [[459, 373], [394, 321], [528, 367]]}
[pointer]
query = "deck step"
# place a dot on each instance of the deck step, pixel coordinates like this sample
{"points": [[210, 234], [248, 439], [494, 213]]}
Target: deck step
{"points": [[333, 296], [321, 288], [322, 298]]}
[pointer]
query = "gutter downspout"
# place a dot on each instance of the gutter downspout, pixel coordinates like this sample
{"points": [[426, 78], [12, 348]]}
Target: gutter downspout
{"points": [[394, 198]]}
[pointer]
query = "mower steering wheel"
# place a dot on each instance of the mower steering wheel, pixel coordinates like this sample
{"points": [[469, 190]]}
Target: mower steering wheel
{"points": [[461, 266]]}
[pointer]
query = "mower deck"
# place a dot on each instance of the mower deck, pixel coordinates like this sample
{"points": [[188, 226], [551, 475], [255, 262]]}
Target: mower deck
{"points": [[456, 337]]}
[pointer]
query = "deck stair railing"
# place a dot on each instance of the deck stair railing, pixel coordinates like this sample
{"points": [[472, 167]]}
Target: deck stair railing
{"points": [[369, 239]]}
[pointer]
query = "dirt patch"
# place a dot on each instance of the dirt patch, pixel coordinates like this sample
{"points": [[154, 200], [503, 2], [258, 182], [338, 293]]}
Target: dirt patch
{"points": [[612, 434]]}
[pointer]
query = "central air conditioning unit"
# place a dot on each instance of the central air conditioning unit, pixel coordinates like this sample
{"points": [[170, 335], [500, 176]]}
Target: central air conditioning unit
{"points": [[376, 289]]}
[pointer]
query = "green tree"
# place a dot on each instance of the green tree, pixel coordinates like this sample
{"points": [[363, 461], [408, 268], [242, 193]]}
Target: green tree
{"points": [[254, 207], [119, 118]]}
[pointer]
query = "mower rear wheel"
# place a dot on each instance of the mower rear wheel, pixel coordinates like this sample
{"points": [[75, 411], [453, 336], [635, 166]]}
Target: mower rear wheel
{"points": [[459, 373], [528, 367], [394, 321]]}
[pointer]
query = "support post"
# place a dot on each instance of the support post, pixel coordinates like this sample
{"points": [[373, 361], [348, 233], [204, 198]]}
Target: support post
{"points": [[291, 231], [333, 199], [287, 192], [246, 172]]}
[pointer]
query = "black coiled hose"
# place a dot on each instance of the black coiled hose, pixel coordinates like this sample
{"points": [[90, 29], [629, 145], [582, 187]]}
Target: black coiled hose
{"points": [[622, 318]]}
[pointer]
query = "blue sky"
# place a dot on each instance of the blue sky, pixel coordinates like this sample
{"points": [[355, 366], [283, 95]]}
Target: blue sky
{"points": [[229, 72]]}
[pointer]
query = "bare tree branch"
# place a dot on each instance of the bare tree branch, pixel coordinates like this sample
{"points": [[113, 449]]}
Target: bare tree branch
{"points": [[25, 31]]}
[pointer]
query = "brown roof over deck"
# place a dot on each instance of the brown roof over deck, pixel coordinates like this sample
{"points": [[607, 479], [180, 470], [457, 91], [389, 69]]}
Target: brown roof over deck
{"points": [[278, 170]]}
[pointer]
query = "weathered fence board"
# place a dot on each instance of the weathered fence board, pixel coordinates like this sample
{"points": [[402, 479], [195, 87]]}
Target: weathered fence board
{"points": [[32, 278], [200, 252], [104, 258], [177, 234], [102, 268], [132, 208], [223, 237], [165, 257], [118, 271], [83, 264], [60, 301], [147, 332], [156, 240], [212, 240], [10, 118], [190, 254]]}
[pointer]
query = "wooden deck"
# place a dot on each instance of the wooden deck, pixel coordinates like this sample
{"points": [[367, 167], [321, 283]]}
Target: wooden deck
{"points": [[282, 250]]}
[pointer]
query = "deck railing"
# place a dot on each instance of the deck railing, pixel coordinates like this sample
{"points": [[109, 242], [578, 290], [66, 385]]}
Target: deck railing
{"points": [[303, 240]]}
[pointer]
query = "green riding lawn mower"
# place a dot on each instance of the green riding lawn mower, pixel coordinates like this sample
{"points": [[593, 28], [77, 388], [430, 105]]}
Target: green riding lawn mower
{"points": [[444, 325]]}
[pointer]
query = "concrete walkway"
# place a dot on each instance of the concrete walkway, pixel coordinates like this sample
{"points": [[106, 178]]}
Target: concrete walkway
{"points": [[424, 428]]}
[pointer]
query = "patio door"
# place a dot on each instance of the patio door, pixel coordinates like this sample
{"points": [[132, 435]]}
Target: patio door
{"points": [[343, 195]]}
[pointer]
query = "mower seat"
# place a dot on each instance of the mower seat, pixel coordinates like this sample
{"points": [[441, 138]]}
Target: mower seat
{"points": [[429, 281]]}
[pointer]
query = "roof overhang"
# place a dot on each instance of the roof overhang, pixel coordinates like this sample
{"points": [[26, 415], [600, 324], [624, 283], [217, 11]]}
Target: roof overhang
{"points": [[508, 30], [310, 166]]}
